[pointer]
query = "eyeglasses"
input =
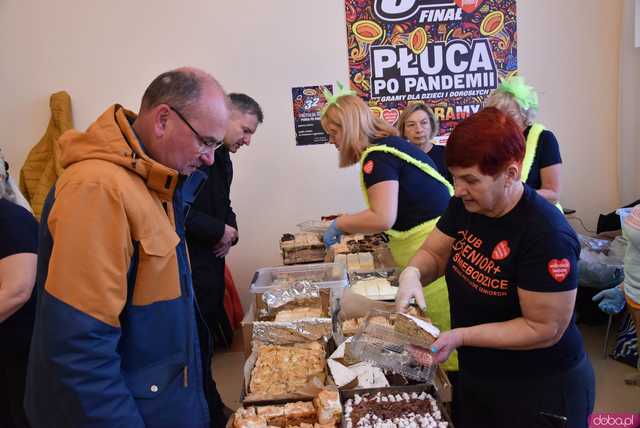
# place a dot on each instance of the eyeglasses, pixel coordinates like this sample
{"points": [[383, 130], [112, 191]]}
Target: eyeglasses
{"points": [[209, 142]]}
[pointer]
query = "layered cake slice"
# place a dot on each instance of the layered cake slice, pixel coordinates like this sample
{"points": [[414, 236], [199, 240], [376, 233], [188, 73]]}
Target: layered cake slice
{"points": [[421, 332], [302, 247]]}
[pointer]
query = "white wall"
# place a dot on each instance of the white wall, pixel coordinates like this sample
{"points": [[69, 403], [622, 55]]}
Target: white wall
{"points": [[629, 105], [569, 51], [103, 52]]}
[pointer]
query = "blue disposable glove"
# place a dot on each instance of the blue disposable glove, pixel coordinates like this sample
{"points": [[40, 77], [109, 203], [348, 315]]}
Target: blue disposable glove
{"points": [[611, 301], [332, 235]]}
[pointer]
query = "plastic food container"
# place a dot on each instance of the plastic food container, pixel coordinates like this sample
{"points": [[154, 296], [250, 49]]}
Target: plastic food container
{"points": [[386, 348], [323, 275], [379, 284]]}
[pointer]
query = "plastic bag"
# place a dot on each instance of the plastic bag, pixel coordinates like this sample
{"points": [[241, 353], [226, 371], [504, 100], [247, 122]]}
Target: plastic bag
{"points": [[599, 275], [593, 244], [601, 262]]}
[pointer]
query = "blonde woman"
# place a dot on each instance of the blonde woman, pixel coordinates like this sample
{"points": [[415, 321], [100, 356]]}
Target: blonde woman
{"points": [[418, 124], [404, 192], [542, 162]]}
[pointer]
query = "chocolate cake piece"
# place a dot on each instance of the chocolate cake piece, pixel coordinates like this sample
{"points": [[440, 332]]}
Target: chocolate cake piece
{"points": [[393, 410]]}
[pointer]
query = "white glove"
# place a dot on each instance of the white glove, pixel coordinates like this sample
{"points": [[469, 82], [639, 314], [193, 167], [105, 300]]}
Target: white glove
{"points": [[410, 287]]}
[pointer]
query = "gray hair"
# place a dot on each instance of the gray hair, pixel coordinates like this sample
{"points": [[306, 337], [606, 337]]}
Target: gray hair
{"points": [[506, 103], [6, 191], [180, 89]]}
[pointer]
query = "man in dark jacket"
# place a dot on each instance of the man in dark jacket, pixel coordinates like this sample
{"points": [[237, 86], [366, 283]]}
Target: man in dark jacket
{"points": [[212, 228]]}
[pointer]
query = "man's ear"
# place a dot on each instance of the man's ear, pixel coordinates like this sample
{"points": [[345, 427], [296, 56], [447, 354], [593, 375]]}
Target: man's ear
{"points": [[160, 120]]}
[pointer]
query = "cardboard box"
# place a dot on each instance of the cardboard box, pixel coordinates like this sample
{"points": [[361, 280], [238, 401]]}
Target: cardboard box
{"points": [[443, 385], [247, 329]]}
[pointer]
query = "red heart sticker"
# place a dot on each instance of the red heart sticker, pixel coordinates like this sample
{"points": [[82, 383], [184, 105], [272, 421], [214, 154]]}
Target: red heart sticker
{"points": [[391, 115], [368, 167], [559, 269], [501, 251], [469, 6]]}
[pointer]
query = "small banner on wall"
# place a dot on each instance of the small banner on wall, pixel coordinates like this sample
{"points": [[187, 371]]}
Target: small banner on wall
{"points": [[447, 54], [308, 102]]}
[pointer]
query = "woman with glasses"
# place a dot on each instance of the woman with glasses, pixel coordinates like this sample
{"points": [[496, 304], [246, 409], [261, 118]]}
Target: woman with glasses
{"points": [[404, 192]]}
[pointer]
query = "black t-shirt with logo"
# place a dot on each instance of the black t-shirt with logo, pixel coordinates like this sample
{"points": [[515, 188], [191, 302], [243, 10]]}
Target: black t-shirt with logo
{"points": [[547, 154], [420, 196], [18, 234], [532, 248]]}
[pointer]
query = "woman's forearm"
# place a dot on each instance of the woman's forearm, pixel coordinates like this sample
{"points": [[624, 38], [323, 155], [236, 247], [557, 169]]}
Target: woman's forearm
{"points": [[516, 334], [17, 278], [550, 195], [428, 265], [365, 221], [550, 183], [12, 299]]}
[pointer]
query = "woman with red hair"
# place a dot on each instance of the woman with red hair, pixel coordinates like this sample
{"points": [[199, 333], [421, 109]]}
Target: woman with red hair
{"points": [[510, 262]]}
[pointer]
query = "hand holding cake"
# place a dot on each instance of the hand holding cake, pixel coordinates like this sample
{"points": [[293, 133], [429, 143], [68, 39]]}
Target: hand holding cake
{"points": [[447, 342]]}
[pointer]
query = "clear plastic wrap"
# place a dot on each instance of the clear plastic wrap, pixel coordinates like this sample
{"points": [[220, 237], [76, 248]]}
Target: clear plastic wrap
{"points": [[379, 343], [389, 356]]}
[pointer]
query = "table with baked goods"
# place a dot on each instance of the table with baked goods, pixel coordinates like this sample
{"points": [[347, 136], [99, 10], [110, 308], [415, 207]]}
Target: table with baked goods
{"points": [[312, 362]]}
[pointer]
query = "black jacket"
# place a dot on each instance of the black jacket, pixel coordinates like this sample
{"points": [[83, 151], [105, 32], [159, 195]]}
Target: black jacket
{"points": [[205, 224]]}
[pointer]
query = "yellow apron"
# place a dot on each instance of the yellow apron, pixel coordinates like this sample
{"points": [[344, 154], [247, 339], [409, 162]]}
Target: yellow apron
{"points": [[404, 245], [530, 153]]}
